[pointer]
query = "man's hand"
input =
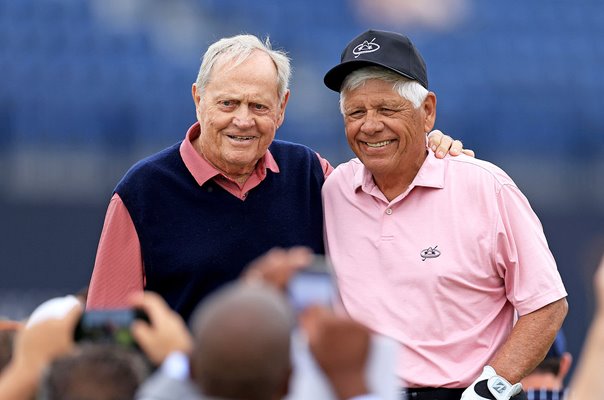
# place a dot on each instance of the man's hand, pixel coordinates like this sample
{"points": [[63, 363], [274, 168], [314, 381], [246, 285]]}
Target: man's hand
{"points": [[166, 333], [277, 266], [442, 144], [491, 386], [340, 346], [35, 348]]}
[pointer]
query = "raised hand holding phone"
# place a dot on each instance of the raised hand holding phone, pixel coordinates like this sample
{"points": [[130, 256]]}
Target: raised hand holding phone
{"points": [[109, 326], [313, 285]]}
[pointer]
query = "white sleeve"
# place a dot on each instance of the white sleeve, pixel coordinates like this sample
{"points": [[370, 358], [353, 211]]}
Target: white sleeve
{"points": [[368, 396]]}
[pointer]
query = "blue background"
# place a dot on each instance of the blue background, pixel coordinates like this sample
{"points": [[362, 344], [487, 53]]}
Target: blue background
{"points": [[89, 87]]}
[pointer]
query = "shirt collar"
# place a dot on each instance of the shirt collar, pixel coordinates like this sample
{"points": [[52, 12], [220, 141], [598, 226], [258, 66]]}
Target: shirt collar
{"points": [[203, 171], [431, 174]]}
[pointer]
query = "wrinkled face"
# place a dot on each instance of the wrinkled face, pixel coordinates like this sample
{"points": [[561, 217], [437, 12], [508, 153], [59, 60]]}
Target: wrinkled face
{"points": [[383, 129], [239, 112]]}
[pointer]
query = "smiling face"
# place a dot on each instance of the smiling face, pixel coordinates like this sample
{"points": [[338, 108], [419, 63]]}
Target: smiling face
{"points": [[239, 112], [386, 132]]}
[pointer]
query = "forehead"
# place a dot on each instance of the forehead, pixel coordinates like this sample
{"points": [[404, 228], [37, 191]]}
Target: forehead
{"points": [[374, 91], [257, 70]]}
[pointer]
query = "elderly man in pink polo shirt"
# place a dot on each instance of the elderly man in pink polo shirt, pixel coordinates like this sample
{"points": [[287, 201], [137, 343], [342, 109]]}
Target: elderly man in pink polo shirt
{"points": [[447, 287]]}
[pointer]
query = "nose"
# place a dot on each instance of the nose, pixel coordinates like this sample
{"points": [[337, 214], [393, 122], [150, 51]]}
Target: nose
{"points": [[372, 124], [243, 118]]}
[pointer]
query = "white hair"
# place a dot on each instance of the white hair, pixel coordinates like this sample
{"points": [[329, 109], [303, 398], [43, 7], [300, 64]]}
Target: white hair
{"points": [[408, 89], [238, 49]]}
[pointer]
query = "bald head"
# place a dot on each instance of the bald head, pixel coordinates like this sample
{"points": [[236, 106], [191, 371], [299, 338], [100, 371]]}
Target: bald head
{"points": [[242, 343]]}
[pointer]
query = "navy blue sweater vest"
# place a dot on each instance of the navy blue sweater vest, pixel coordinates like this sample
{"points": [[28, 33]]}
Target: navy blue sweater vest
{"points": [[196, 238]]}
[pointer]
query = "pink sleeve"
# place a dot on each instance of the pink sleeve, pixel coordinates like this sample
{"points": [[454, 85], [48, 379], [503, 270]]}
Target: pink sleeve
{"points": [[118, 268], [523, 257], [327, 168]]}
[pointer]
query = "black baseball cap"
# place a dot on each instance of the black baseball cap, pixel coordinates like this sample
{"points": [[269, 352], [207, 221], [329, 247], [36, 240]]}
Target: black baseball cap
{"points": [[385, 49]]}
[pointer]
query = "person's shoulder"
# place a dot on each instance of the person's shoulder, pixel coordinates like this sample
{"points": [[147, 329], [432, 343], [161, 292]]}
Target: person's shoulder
{"points": [[159, 386], [159, 157], [154, 161], [295, 157], [284, 145], [344, 172], [470, 167], [290, 153], [149, 169], [348, 167]]}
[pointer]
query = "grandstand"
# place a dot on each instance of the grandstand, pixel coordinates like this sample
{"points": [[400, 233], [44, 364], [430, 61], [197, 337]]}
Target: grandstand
{"points": [[113, 77]]}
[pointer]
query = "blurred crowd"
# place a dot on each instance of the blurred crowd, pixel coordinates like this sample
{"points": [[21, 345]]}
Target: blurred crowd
{"points": [[238, 347]]}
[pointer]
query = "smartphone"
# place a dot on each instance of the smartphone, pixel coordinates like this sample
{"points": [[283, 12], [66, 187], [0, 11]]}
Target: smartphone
{"points": [[312, 285], [108, 326]]}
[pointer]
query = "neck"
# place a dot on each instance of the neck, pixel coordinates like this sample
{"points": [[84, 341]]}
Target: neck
{"points": [[240, 179], [393, 184], [238, 175]]}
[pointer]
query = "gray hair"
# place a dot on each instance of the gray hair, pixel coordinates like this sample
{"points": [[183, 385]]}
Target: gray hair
{"points": [[406, 88], [238, 49]]}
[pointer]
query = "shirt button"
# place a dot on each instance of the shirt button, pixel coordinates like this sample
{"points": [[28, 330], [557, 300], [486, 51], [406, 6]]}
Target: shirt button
{"points": [[245, 195], [389, 211]]}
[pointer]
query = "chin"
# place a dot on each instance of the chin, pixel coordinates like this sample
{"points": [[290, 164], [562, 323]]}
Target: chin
{"points": [[244, 161]]}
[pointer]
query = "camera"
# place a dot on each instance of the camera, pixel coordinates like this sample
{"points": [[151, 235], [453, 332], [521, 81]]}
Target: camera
{"points": [[312, 285], [109, 326]]}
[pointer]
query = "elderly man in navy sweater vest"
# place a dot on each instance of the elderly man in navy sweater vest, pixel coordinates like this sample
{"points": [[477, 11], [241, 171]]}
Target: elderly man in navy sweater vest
{"points": [[188, 219]]}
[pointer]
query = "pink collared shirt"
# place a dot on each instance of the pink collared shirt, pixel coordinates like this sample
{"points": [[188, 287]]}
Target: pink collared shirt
{"points": [[442, 267], [119, 268]]}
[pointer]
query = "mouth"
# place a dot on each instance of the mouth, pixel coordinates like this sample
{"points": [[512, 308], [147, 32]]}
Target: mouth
{"points": [[379, 144], [241, 138]]}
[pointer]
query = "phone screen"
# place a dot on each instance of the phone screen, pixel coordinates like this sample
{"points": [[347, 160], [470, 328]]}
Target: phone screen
{"points": [[313, 285], [108, 326]]}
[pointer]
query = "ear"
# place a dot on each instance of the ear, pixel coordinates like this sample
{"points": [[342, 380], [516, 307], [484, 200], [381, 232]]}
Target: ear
{"points": [[565, 363], [282, 106], [196, 95], [429, 111]]}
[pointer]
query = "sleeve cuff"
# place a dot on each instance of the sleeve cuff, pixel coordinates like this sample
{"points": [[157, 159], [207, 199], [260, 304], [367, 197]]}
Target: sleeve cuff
{"points": [[176, 366]]}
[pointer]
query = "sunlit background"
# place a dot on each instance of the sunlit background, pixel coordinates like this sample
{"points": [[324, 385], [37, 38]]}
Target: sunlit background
{"points": [[89, 87]]}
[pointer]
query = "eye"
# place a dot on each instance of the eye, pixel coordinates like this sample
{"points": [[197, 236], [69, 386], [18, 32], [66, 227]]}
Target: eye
{"points": [[356, 113], [227, 103], [259, 107], [387, 111]]}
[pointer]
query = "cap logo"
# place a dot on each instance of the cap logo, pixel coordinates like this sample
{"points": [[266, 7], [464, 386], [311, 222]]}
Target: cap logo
{"points": [[365, 47]]}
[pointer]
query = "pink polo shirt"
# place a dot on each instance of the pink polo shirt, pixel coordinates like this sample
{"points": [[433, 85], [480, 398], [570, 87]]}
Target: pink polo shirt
{"points": [[118, 268], [442, 267]]}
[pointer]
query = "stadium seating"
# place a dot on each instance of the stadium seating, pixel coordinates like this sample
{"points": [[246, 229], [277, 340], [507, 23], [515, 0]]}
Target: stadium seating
{"points": [[512, 72]]}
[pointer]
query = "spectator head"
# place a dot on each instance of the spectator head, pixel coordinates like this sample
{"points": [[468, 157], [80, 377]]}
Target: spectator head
{"points": [[242, 343], [94, 372], [550, 373]]}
